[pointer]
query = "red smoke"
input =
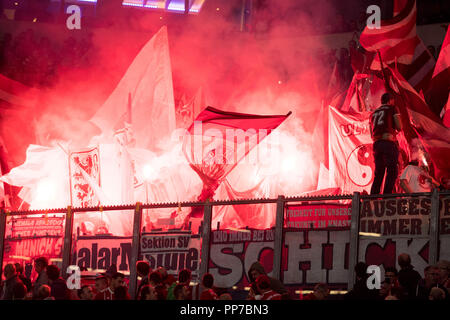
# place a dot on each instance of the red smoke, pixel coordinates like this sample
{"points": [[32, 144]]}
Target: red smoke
{"points": [[271, 70]]}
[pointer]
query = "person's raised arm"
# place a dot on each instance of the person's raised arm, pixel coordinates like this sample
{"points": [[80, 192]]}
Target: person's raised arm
{"points": [[431, 179]]}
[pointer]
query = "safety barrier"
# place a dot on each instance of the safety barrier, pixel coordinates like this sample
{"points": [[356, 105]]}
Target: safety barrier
{"points": [[432, 205]]}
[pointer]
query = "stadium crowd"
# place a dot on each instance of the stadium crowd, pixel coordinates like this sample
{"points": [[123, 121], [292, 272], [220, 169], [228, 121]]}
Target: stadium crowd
{"points": [[403, 284]]}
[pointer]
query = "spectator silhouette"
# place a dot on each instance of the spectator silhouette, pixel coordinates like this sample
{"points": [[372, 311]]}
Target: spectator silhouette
{"points": [[44, 293], [57, 284], [408, 278], [256, 269], [11, 284], [263, 285], [40, 266], [85, 293], [443, 267], [143, 271], [104, 292], [430, 280], [181, 292], [26, 281], [360, 289], [148, 292], [121, 293], [208, 292]]}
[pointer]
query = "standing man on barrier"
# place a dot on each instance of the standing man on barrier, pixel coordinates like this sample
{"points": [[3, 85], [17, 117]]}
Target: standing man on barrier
{"points": [[384, 124]]}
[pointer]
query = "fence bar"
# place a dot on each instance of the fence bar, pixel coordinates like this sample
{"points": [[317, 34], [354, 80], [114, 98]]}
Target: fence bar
{"points": [[2, 239], [206, 236], [354, 237], [67, 242], [434, 225], [185, 204], [137, 221], [278, 243]]}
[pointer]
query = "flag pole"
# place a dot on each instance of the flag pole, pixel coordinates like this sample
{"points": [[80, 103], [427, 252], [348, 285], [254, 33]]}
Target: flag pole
{"points": [[386, 83]]}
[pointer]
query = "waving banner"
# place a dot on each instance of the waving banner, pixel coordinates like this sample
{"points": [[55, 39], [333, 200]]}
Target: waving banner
{"points": [[218, 140]]}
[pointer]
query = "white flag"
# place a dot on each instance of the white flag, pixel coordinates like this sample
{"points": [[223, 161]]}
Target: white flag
{"points": [[148, 82]]}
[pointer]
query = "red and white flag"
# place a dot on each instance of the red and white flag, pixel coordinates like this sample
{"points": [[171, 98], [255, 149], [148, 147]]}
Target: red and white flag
{"points": [[399, 5], [400, 46], [446, 113], [437, 96], [395, 39], [218, 140], [427, 126], [351, 166]]}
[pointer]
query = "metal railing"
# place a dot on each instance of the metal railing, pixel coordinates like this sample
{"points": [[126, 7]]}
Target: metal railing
{"points": [[281, 202]]}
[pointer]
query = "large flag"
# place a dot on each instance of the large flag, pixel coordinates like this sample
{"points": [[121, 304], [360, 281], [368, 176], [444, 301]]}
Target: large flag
{"points": [[399, 45], [334, 96], [395, 39], [399, 5], [219, 140], [148, 85], [422, 123], [351, 166], [437, 96]]}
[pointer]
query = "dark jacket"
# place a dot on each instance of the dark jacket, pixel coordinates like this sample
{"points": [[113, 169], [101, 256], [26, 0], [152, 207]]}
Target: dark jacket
{"points": [[360, 291], [144, 282], [423, 291], [26, 282], [275, 284], [59, 289], [9, 287], [409, 279], [41, 280]]}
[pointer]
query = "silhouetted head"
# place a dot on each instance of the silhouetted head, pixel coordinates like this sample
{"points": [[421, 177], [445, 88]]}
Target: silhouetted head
{"points": [[387, 98]]}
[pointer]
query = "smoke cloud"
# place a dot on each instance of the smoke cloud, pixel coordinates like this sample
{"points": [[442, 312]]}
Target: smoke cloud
{"points": [[273, 69]]}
